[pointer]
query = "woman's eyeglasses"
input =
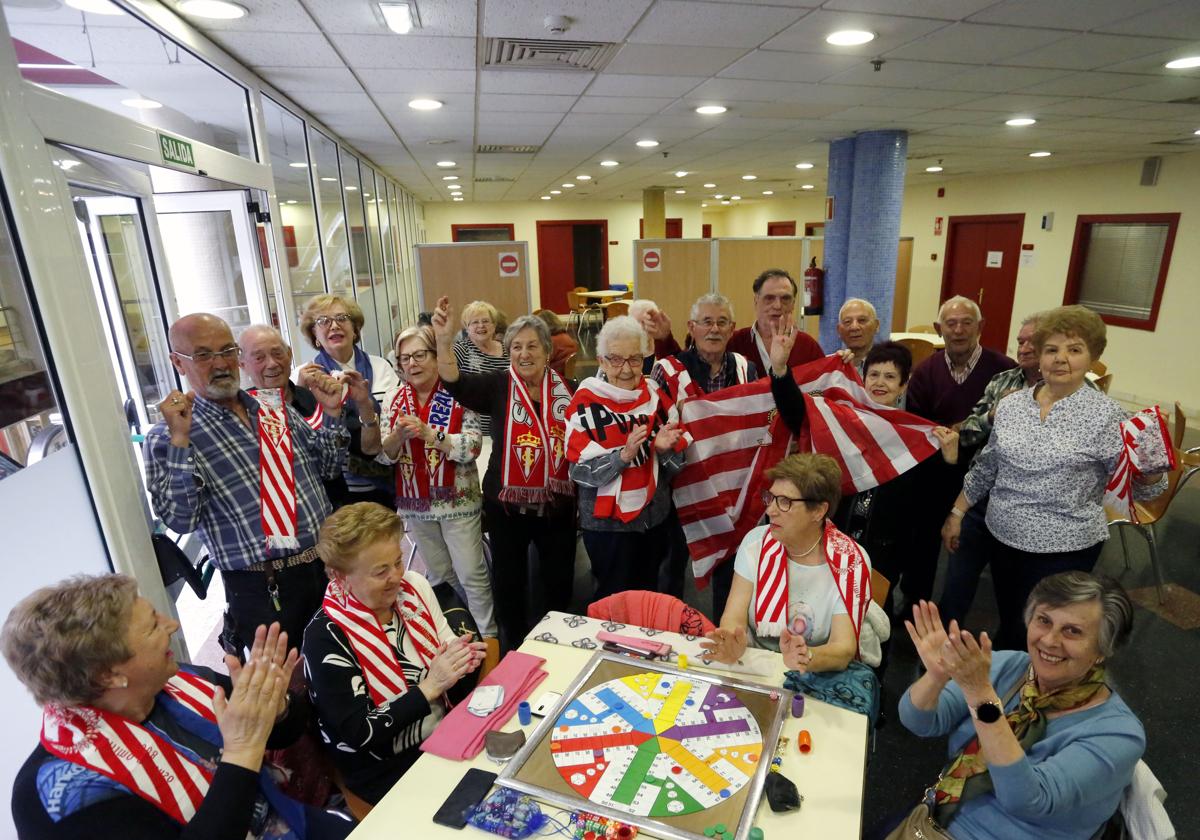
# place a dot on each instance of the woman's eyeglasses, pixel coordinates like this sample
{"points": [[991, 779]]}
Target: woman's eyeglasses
{"points": [[784, 503], [619, 362], [329, 320], [418, 356]]}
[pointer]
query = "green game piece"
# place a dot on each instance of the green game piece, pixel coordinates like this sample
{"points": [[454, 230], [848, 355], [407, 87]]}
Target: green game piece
{"points": [[710, 831], [721, 829], [756, 833]]}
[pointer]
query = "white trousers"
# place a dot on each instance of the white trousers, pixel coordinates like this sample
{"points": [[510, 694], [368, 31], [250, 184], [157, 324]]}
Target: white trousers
{"points": [[453, 553]]}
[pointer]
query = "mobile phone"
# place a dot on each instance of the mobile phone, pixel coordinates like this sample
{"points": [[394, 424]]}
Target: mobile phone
{"points": [[613, 647], [469, 792], [546, 703]]}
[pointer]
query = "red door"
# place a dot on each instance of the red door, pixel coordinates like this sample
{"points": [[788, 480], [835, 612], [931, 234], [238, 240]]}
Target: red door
{"points": [[706, 231], [981, 264], [674, 229], [556, 263], [781, 228]]}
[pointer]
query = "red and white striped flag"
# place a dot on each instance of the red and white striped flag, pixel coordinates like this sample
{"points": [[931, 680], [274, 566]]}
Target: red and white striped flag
{"points": [[738, 434], [1146, 449]]}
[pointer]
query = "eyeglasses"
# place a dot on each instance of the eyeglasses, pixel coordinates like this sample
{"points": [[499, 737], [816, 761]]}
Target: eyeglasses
{"points": [[328, 320], [417, 356], [784, 503], [204, 357], [720, 323], [619, 362]]}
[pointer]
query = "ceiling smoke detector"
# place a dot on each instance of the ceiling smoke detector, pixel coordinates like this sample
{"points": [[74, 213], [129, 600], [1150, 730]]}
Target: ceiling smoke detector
{"points": [[557, 24]]}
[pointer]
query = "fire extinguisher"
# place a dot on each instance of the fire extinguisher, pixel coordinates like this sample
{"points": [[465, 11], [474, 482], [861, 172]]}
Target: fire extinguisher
{"points": [[814, 278]]}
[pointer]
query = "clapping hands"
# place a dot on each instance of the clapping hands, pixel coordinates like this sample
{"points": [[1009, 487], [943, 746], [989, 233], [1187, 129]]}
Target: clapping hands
{"points": [[725, 645]]}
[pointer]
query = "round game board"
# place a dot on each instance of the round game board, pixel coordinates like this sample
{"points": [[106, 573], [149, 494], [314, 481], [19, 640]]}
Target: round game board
{"points": [[656, 744]]}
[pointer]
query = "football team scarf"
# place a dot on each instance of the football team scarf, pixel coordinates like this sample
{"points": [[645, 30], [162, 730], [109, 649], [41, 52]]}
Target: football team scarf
{"points": [[1145, 448], [846, 563], [314, 421], [276, 471], [369, 642], [678, 381], [967, 774], [599, 420], [535, 458], [423, 473]]}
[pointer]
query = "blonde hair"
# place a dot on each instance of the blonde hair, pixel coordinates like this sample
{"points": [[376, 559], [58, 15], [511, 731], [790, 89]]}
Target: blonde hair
{"points": [[349, 530], [817, 477], [477, 306], [1077, 321], [308, 318], [63, 639], [422, 332]]}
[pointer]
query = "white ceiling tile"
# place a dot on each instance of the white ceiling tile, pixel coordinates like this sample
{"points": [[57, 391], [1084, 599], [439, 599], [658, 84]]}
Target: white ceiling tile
{"points": [[972, 43], [1180, 19], [711, 24], [656, 59], [788, 66], [456, 106], [530, 82], [525, 102], [590, 21], [891, 31], [269, 49], [897, 73], [507, 118], [944, 9], [291, 79], [1183, 114], [1087, 52], [1016, 103], [739, 90], [513, 134], [908, 98], [997, 79], [415, 51], [325, 102], [1086, 84], [620, 105], [1063, 14], [613, 84], [425, 82], [781, 110], [1083, 107], [439, 18], [1162, 90], [265, 16]]}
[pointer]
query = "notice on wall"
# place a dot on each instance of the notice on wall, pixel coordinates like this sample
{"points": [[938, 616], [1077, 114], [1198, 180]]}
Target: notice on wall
{"points": [[510, 266], [652, 259], [994, 259], [1027, 259]]}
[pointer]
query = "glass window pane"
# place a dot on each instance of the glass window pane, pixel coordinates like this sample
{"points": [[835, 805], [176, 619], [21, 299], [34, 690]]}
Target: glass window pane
{"points": [[360, 255], [397, 228], [379, 284], [1121, 269], [206, 273], [327, 182], [389, 254], [116, 62], [289, 165]]}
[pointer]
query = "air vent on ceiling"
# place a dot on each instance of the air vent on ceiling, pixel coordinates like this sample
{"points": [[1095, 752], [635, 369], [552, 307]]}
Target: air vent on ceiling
{"points": [[493, 179], [495, 149], [536, 54]]}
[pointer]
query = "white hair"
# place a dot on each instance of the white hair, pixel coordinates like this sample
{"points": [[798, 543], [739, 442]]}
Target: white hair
{"points": [[622, 326], [639, 307], [865, 304], [255, 330], [964, 302], [710, 299]]}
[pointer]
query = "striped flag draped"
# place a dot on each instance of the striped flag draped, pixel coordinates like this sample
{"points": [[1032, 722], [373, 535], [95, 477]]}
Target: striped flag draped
{"points": [[1146, 449], [737, 434]]}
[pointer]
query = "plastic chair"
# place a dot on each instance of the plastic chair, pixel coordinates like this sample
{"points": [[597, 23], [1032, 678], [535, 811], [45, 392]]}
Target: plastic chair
{"points": [[654, 610], [574, 302], [569, 366], [923, 328], [1104, 382], [1099, 368], [614, 308], [879, 588], [920, 349]]}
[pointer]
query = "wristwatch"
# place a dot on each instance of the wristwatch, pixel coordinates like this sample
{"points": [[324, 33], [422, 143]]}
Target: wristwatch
{"points": [[369, 424], [440, 436], [988, 711]]}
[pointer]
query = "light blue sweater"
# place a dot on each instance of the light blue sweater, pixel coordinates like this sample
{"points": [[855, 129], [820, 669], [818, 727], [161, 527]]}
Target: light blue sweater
{"points": [[1068, 784]]}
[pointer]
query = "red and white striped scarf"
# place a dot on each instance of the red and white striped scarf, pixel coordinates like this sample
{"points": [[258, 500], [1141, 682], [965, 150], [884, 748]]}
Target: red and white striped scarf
{"points": [[276, 473], [846, 562], [424, 473], [535, 457], [678, 382], [369, 641], [1146, 448], [132, 755], [314, 421], [599, 420], [737, 435]]}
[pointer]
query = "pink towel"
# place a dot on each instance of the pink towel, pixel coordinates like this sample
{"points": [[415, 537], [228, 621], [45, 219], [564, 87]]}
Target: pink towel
{"points": [[460, 734]]}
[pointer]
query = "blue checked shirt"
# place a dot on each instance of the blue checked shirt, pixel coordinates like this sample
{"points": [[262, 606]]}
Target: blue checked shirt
{"points": [[212, 486]]}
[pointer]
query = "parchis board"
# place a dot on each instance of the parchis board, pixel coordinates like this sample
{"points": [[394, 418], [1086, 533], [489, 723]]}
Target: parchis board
{"points": [[657, 745]]}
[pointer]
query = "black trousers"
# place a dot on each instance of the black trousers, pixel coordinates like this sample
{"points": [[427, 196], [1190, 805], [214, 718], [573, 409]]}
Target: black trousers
{"points": [[940, 489], [721, 582], [510, 533], [301, 590], [672, 571], [624, 560]]}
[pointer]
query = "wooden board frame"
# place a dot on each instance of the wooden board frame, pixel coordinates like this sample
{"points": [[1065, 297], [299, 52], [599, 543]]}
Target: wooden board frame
{"points": [[753, 695], [467, 271], [672, 289]]}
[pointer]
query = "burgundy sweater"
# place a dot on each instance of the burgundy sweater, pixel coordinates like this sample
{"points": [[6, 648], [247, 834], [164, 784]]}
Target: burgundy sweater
{"points": [[805, 350], [934, 395]]}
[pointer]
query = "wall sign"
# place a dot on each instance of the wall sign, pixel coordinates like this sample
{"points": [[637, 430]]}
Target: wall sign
{"points": [[174, 150], [652, 259], [994, 259], [510, 266]]}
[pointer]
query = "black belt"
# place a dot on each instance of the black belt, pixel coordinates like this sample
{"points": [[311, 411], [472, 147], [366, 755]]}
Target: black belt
{"points": [[280, 563]]}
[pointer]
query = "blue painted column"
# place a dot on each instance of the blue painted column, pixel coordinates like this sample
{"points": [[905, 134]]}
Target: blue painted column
{"points": [[871, 228], [837, 236]]}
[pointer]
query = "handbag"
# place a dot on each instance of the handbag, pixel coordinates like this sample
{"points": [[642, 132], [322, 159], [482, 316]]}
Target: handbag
{"points": [[919, 825]]}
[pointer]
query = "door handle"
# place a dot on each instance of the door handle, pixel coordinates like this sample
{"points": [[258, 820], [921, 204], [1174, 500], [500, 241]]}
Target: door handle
{"points": [[980, 301]]}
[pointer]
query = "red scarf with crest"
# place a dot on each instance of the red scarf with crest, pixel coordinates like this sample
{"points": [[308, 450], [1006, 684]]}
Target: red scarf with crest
{"points": [[535, 458], [424, 473]]}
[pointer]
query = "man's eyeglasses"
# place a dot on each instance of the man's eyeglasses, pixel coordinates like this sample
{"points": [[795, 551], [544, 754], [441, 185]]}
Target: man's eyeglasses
{"points": [[784, 503], [720, 323], [619, 362], [329, 320], [204, 357], [417, 356]]}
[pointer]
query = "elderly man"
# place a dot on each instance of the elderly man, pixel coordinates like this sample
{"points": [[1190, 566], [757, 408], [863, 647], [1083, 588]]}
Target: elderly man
{"points": [[856, 326], [246, 475], [267, 360]]}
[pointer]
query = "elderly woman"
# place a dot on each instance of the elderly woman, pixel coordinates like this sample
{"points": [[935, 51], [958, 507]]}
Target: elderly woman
{"points": [[98, 658], [1045, 466], [528, 497], [379, 655], [625, 444], [478, 350], [333, 326], [434, 442], [1040, 746], [563, 345]]}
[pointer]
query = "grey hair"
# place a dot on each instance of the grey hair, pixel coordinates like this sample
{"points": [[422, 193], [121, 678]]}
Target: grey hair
{"points": [[254, 330], [710, 299], [640, 307], [959, 300], [1065, 588], [865, 304], [529, 322], [1031, 319], [623, 326]]}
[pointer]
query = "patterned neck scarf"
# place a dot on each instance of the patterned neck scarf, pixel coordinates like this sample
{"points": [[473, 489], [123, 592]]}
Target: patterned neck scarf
{"points": [[967, 774]]}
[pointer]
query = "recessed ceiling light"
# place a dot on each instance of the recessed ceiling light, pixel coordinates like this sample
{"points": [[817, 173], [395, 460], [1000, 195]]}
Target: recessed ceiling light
{"points": [[850, 38], [1197, 131], [768, 192], [806, 186], [1039, 154], [328, 178], [424, 104], [933, 169], [568, 186], [298, 164], [141, 104], [545, 198], [609, 163], [804, 166], [726, 201], [647, 144], [736, 197], [703, 203], [680, 192], [449, 177], [709, 186], [719, 195], [1019, 121], [213, 9], [458, 198], [555, 192], [711, 109], [398, 17], [1183, 63], [96, 7], [446, 164], [682, 173], [583, 177], [351, 188]]}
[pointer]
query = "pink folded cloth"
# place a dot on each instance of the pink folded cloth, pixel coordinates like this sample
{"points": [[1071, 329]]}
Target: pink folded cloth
{"points": [[460, 734]]}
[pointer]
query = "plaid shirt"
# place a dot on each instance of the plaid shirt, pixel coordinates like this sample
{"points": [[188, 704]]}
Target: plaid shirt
{"points": [[978, 425], [212, 486]]}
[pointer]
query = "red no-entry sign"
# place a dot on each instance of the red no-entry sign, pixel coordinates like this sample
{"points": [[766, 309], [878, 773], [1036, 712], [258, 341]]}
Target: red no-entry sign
{"points": [[509, 264], [652, 259]]}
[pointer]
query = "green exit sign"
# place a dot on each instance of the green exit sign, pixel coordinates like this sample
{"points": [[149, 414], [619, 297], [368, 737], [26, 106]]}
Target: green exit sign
{"points": [[176, 151]]}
